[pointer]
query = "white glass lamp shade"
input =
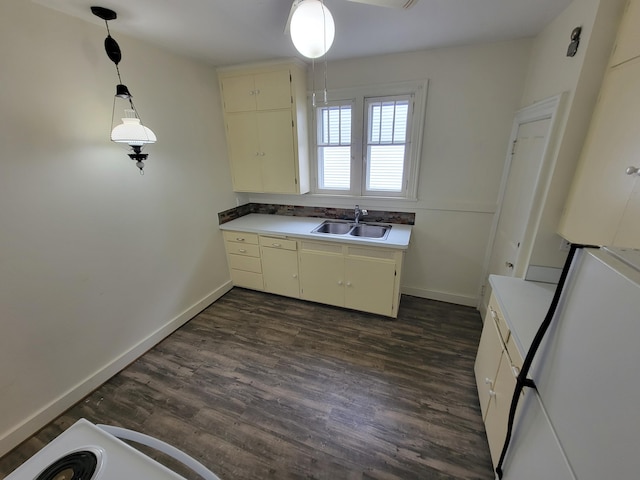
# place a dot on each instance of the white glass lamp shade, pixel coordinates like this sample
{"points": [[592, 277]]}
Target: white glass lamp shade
{"points": [[312, 28], [132, 132]]}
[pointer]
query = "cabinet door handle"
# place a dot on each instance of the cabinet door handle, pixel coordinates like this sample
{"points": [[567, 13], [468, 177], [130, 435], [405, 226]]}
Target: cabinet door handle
{"points": [[339, 282], [492, 393], [494, 314], [488, 381], [348, 284], [509, 265], [633, 171], [295, 275]]}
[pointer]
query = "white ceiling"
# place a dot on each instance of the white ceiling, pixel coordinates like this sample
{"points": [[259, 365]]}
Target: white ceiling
{"points": [[226, 32]]}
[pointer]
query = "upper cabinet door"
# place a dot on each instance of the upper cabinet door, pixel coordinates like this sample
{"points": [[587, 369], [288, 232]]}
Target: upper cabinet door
{"points": [[628, 42], [262, 91], [239, 93], [602, 191], [273, 90]]}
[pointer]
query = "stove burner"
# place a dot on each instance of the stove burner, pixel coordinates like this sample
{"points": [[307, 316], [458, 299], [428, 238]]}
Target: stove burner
{"points": [[75, 466]]}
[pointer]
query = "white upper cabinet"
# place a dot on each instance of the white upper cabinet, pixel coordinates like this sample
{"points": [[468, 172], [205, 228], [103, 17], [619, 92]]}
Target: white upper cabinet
{"points": [[628, 42], [266, 127], [603, 207]]}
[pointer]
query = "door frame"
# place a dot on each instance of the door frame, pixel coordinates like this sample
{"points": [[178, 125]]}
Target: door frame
{"points": [[548, 108]]}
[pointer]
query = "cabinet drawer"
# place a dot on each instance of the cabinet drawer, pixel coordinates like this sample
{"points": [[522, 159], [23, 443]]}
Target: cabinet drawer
{"points": [[236, 248], [496, 314], [274, 242], [241, 237], [242, 262], [250, 280], [321, 247], [371, 252]]}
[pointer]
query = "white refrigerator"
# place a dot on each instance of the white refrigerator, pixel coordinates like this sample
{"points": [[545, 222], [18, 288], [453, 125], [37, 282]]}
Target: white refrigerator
{"points": [[582, 420]]}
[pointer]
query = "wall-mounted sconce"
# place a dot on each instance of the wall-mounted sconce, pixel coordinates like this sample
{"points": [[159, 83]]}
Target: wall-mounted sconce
{"points": [[131, 131], [575, 41]]}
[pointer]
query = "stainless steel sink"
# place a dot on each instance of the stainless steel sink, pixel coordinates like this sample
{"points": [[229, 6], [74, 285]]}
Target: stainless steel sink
{"points": [[370, 231], [364, 230], [334, 228]]}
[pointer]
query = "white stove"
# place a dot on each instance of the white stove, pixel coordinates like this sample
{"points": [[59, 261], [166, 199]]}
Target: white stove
{"points": [[89, 452]]}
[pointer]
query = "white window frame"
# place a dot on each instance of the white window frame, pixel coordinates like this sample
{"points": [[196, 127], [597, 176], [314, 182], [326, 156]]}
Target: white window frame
{"points": [[357, 98]]}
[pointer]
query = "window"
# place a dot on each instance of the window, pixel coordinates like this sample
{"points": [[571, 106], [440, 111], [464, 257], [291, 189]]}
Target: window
{"points": [[334, 147], [364, 144]]}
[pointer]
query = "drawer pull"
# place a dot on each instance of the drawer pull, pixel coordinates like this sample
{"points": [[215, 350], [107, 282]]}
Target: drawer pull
{"points": [[242, 250], [494, 314], [239, 239], [277, 245]]}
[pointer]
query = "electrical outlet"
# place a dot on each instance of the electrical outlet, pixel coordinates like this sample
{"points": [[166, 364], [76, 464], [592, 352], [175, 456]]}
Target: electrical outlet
{"points": [[565, 245]]}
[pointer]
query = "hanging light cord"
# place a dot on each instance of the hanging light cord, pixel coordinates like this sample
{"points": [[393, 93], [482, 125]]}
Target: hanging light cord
{"points": [[313, 62], [324, 35], [106, 23]]}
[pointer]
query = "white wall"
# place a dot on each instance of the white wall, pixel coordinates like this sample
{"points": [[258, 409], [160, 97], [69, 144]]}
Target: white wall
{"points": [[474, 92], [552, 72], [97, 263]]}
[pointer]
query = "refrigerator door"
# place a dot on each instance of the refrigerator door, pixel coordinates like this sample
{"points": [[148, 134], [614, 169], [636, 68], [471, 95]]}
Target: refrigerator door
{"points": [[587, 370]]}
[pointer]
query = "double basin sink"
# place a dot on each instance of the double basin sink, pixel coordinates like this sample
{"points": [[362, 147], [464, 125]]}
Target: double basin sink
{"points": [[365, 230]]}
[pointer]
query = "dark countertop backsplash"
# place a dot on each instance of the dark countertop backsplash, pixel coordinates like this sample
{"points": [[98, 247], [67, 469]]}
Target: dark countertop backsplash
{"points": [[377, 216]]}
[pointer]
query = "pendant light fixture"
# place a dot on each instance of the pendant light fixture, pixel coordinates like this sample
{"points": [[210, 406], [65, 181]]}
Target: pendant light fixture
{"points": [[312, 28], [131, 131]]}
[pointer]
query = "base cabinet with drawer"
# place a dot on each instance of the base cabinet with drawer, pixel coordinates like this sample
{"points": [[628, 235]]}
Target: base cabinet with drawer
{"points": [[243, 255], [280, 266], [360, 278], [342, 274], [497, 365]]}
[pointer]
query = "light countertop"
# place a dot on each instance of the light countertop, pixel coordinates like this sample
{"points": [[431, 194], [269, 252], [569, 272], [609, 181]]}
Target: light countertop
{"points": [[524, 305], [300, 227]]}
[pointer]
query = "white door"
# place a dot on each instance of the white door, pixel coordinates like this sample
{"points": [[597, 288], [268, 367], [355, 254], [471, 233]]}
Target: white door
{"points": [[527, 156]]}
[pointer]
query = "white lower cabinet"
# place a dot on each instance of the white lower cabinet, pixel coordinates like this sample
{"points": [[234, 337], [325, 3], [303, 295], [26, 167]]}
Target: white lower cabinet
{"points": [[280, 266], [322, 273], [243, 255], [345, 275], [360, 278], [497, 365]]}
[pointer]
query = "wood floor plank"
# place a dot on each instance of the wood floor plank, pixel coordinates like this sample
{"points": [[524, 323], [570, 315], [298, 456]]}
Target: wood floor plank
{"points": [[262, 386]]}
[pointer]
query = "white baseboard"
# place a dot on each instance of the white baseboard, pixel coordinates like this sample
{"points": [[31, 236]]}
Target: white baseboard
{"points": [[13, 437], [465, 300]]}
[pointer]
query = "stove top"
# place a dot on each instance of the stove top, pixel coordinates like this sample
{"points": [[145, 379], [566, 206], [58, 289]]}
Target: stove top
{"points": [[86, 452]]}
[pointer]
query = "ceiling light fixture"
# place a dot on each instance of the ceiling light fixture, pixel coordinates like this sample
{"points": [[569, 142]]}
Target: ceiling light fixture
{"points": [[131, 131], [312, 28]]}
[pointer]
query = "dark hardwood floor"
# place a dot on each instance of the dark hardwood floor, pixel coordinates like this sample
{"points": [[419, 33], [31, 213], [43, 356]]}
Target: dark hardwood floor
{"points": [[261, 386]]}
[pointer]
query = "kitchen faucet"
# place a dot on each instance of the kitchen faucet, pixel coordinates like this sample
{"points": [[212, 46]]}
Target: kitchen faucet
{"points": [[359, 212]]}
